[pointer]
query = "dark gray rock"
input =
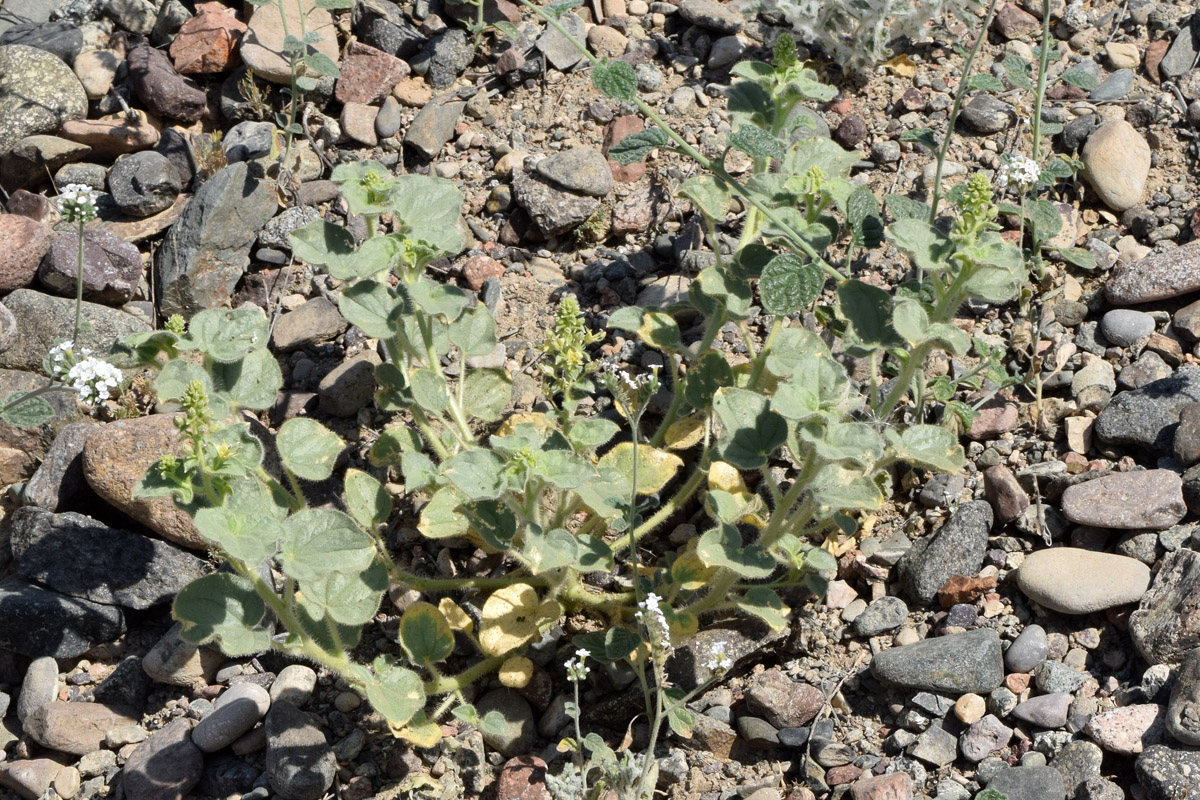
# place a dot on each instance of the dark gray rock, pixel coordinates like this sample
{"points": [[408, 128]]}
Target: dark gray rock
{"points": [[81, 557], [1028, 650], [38, 92], [247, 141], [884, 614], [1054, 677], [145, 183], [985, 114], [1181, 56], [275, 233], [161, 88], [519, 730], [580, 169], [1163, 628], [1158, 276], [553, 210], [688, 665], [207, 249], [1168, 774], [445, 58], [433, 126], [1045, 710], [62, 38], [1075, 132], [59, 482], [1183, 709], [958, 663], [1145, 417], [112, 267], [389, 119], [935, 746], [237, 711], [167, 766], [44, 320], [174, 145], [1114, 87], [558, 49], [38, 622], [384, 26], [1029, 783], [128, 685], [1078, 762], [300, 763], [957, 548]]}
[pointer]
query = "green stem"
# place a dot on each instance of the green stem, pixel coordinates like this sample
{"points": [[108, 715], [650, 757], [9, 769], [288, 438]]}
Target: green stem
{"points": [[78, 287], [944, 148], [715, 323], [675, 503], [1039, 98], [456, 683], [30, 395]]}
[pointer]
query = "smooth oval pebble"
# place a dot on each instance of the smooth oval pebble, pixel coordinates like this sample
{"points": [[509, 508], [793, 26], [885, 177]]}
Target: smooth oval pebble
{"points": [[1027, 650], [295, 684], [237, 711], [1149, 499], [1124, 326], [1075, 581]]}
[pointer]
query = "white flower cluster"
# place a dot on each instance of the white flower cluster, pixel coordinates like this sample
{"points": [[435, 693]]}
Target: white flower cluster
{"points": [[77, 202], [658, 633], [577, 670], [1020, 173], [62, 357], [855, 33], [95, 379], [719, 661]]}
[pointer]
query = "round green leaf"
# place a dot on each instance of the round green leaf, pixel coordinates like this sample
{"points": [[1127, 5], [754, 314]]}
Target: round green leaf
{"points": [[789, 285], [487, 393], [349, 598], [253, 382], [751, 430], [222, 608], [425, 634], [227, 334], [429, 390], [395, 692], [369, 305], [366, 499], [615, 79], [247, 526], [318, 541], [722, 547], [308, 448]]}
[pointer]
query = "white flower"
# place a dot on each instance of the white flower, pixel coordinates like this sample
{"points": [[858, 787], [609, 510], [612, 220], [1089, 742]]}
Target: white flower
{"points": [[1020, 173], [577, 670], [658, 632], [63, 356], [95, 379], [719, 661], [77, 202]]}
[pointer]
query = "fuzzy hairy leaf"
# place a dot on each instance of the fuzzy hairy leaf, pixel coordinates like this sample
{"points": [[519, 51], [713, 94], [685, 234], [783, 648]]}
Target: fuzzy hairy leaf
{"points": [[789, 284], [318, 541], [636, 146], [222, 608], [722, 547], [308, 448], [425, 634], [751, 430], [615, 79]]}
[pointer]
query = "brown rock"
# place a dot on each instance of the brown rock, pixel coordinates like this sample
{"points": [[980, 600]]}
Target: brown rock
{"points": [[161, 88], [633, 214], [111, 136], [617, 130], [893, 786], [1013, 22], [368, 74], [523, 778], [413, 92], [1145, 500], [1154, 56], [783, 702], [493, 11], [138, 229], [714, 736], [77, 728], [358, 122], [995, 418], [207, 43], [1002, 490], [30, 778], [478, 269], [961, 589], [35, 206], [116, 460], [23, 243], [112, 267], [262, 46], [840, 776]]}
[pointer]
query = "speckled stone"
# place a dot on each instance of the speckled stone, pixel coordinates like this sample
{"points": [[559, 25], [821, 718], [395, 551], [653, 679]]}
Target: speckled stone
{"points": [[1074, 581]]}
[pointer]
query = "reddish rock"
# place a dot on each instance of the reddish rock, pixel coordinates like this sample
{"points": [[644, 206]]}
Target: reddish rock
{"points": [[1017, 682], [358, 122], [1154, 56], [1013, 22], [1065, 91], [510, 60], [35, 206], [493, 11], [840, 776], [23, 243], [368, 74], [783, 702], [851, 131], [161, 88], [893, 786], [617, 130], [478, 269], [207, 43], [111, 136], [523, 778], [1002, 490], [961, 589], [633, 214], [995, 418]]}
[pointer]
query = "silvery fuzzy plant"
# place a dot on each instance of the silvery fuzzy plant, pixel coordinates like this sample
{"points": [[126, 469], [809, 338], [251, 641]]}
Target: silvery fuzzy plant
{"points": [[562, 497]]}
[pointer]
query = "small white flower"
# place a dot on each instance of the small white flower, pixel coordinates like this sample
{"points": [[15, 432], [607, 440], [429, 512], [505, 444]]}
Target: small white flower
{"points": [[95, 379], [77, 202], [577, 670], [1020, 173], [719, 661], [658, 632]]}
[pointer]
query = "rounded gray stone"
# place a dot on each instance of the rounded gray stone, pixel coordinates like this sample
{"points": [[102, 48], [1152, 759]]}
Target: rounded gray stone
{"points": [[38, 92], [1045, 711], [954, 664], [1141, 500], [1075, 581], [294, 684], [884, 614], [39, 688], [1029, 783], [237, 711], [1028, 650], [957, 548], [516, 735], [300, 763], [1124, 326], [144, 183]]}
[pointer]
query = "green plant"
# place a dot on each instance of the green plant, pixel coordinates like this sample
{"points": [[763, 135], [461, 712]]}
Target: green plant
{"points": [[305, 64], [210, 155]]}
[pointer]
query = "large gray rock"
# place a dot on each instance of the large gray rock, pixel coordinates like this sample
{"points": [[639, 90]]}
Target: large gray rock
{"points": [[144, 183], [1141, 500], [43, 320], [112, 267], [300, 763], [316, 321], [1167, 774], [38, 93], [956, 549], [954, 664], [1164, 627], [38, 622], [208, 249], [1158, 276], [552, 209], [82, 557], [1029, 783], [1144, 416], [1183, 709], [167, 766], [1074, 581]]}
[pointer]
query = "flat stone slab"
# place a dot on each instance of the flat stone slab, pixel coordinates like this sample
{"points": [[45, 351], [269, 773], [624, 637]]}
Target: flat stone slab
{"points": [[1144, 500], [1075, 581], [1156, 277], [954, 664]]}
